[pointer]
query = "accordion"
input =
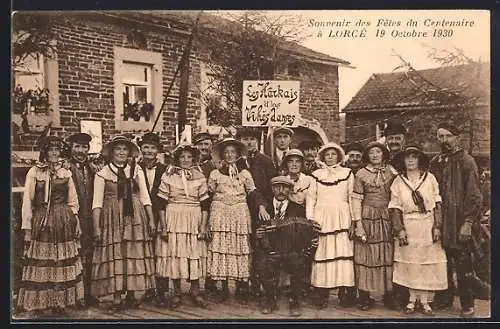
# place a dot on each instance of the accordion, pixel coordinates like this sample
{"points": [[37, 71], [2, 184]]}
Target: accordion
{"points": [[295, 234]]}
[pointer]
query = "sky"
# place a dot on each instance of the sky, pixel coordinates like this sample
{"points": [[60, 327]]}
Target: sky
{"points": [[372, 54]]}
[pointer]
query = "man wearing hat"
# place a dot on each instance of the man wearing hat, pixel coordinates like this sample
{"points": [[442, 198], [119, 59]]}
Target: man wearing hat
{"points": [[310, 150], [150, 146], [83, 176], [395, 137], [459, 186], [354, 154], [270, 259], [282, 140], [204, 143], [262, 169]]}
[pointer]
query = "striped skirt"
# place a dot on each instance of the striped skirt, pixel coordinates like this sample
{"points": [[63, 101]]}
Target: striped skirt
{"points": [[52, 274]]}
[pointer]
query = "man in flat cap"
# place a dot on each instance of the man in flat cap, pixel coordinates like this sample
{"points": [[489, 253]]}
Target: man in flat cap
{"points": [[282, 140], [83, 173], [271, 258], [354, 153], [395, 138], [459, 187], [153, 169], [310, 150], [203, 142], [262, 169]]}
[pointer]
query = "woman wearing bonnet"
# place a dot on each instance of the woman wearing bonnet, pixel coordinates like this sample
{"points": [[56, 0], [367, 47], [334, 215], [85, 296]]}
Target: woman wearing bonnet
{"points": [[229, 222], [123, 226], [329, 203], [52, 274], [181, 248]]}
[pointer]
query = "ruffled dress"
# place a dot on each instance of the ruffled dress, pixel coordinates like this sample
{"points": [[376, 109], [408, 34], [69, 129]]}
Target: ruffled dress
{"points": [[183, 256], [52, 274], [421, 264], [123, 260], [230, 224], [373, 259], [328, 203]]}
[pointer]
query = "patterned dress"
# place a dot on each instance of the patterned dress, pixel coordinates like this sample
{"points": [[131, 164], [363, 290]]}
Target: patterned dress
{"points": [[373, 259], [422, 263], [230, 224], [52, 274], [183, 256], [123, 260], [328, 203]]}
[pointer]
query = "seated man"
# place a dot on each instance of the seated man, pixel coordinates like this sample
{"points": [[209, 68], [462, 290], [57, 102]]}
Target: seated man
{"points": [[287, 242]]}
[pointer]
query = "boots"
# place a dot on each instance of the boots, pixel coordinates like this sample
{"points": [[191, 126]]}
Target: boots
{"points": [[365, 301], [347, 296], [244, 291], [162, 289], [195, 294], [176, 299], [321, 297], [223, 295]]}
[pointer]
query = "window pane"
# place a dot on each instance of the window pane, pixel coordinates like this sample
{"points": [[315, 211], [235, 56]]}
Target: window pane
{"points": [[135, 72], [29, 81], [141, 94]]}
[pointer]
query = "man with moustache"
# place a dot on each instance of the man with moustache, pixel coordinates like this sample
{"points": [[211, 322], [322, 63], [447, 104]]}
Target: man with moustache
{"points": [[203, 142], [459, 187], [354, 154], [262, 170], [270, 259], [282, 140], [83, 171], [153, 169], [395, 138], [310, 150]]}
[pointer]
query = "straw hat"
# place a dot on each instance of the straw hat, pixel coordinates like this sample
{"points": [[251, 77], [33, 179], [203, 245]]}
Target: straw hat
{"points": [[108, 147]]}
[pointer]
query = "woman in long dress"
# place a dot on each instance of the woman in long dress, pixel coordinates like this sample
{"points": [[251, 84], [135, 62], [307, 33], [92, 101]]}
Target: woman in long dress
{"points": [[419, 258], [123, 224], [229, 222], [52, 274], [329, 203], [373, 246], [181, 251]]}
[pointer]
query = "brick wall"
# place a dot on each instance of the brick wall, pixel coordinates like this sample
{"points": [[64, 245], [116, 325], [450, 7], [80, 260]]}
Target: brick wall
{"points": [[319, 96], [86, 79], [422, 127], [86, 86]]}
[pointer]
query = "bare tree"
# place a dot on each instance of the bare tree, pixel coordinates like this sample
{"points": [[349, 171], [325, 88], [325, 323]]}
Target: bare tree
{"points": [[252, 47], [428, 92]]}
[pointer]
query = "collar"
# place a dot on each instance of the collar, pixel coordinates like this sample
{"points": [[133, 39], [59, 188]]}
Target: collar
{"points": [[280, 153], [153, 165], [276, 203]]}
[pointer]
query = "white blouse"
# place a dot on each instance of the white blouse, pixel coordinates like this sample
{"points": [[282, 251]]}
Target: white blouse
{"points": [[401, 194], [41, 173], [107, 174], [301, 188]]}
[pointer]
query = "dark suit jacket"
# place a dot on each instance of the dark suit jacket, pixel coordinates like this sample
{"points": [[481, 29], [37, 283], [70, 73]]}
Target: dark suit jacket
{"points": [[262, 170], [153, 187]]}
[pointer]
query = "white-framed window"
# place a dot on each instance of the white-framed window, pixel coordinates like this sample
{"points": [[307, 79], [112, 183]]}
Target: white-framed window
{"points": [[39, 74], [138, 88], [30, 73]]}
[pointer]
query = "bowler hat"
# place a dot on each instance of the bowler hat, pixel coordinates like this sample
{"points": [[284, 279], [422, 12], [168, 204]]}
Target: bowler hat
{"points": [[354, 147], [248, 132], [394, 128], [308, 144], [450, 127]]}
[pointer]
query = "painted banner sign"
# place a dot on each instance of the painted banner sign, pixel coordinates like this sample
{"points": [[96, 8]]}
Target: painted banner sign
{"points": [[270, 103]]}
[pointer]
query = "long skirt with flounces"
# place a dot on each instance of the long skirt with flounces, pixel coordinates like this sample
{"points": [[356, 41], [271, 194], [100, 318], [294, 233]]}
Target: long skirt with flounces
{"points": [[229, 250], [421, 264], [373, 259], [52, 274], [123, 261], [183, 256], [333, 262]]}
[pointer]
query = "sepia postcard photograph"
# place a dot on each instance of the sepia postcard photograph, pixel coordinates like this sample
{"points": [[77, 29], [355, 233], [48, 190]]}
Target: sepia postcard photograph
{"points": [[204, 165]]}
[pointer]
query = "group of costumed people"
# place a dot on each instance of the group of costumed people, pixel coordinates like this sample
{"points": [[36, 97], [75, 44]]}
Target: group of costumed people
{"points": [[382, 221]]}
